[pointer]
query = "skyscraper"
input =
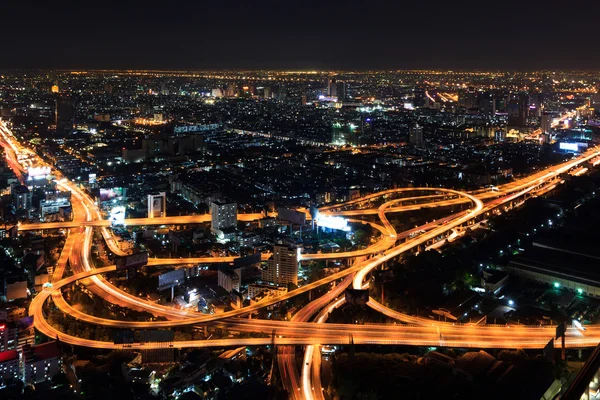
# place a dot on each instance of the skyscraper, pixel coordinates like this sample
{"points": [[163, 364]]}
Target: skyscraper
{"points": [[415, 136], [341, 91], [21, 197], [518, 111], [332, 87], [163, 89], [523, 108], [282, 267], [64, 116], [487, 103], [223, 215], [546, 124], [467, 98]]}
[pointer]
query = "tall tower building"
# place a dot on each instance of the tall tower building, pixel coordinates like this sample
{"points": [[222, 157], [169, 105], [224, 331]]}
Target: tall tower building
{"points": [[282, 267], [523, 108], [341, 91], [223, 215], [163, 89], [467, 98], [415, 136], [332, 88], [21, 197], [546, 124], [267, 92], [487, 103], [64, 116]]}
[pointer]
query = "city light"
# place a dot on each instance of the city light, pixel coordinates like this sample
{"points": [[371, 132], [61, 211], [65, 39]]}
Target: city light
{"points": [[578, 325], [263, 243]]}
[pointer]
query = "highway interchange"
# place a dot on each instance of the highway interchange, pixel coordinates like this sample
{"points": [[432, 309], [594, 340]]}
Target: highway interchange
{"points": [[410, 330]]}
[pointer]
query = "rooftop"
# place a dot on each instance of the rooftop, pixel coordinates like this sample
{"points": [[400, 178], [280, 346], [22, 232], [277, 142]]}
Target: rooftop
{"points": [[8, 356], [46, 351]]}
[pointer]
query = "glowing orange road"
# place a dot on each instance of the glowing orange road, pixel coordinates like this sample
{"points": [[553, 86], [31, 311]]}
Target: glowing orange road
{"points": [[309, 333], [311, 366], [279, 299], [411, 243], [459, 335], [286, 357], [197, 219], [369, 264]]}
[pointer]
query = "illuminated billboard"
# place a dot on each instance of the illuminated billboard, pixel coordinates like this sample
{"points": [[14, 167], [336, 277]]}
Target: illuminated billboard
{"points": [[108, 194], [196, 128], [328, 98], [117, 216], [331, 222], [569, 146], [38, 172]]}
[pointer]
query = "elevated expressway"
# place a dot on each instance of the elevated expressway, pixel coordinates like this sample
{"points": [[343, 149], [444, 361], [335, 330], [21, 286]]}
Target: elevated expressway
{"points": [[298, 332], [363, 268]]}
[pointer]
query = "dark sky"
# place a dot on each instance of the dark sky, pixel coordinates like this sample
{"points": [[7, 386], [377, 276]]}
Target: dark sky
{"points": [[205, 34]]}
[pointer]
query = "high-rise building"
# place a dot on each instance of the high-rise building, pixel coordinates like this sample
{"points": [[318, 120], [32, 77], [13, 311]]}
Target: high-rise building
{"points": [[157, 205], [230, 278], [518, 111], [467, 98], [282, 267], [487, 103], [415, 136], [163, 89], [332, 87], [546, 124], [523, 108], [267, 92], [536, 104], [21, 197], [64, 116], [223, 215], [341, 91]]}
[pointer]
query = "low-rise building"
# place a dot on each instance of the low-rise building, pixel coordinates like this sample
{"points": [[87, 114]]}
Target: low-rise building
{"points": [[493, 281], [268, 290], [9, 365], [229, 278], [41, 362]]}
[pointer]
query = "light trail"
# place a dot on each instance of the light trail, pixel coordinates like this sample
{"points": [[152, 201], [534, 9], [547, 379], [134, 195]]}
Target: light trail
{"points": [[306, 333]]}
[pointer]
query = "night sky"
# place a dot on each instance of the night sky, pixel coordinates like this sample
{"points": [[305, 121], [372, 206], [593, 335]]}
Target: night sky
{"points": [[204, 34]]}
